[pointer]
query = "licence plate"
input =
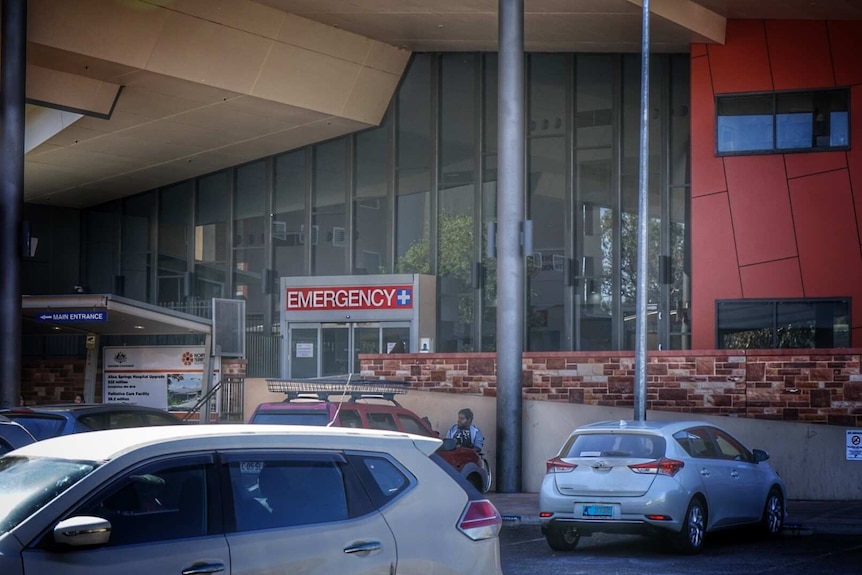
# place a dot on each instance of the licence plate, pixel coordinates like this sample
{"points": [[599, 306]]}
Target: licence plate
{"points": [[598, 511]]}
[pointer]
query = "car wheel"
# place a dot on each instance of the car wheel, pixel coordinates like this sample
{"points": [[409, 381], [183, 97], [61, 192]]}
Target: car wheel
{"points": [[562, 537], [487, 468], [773, 514], [689, 540]]}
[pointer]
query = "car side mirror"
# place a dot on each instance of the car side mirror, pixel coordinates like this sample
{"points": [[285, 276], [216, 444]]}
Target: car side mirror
{"points": [[83, 530], [760, 455], [448, 444]]}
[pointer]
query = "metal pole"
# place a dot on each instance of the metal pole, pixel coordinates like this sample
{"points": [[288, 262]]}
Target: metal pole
{"points": [[643, 229], [510, 260], [13, 60]]}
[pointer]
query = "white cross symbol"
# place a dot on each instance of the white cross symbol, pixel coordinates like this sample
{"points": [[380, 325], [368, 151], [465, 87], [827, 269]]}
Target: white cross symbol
{"points": [[403, 297]]}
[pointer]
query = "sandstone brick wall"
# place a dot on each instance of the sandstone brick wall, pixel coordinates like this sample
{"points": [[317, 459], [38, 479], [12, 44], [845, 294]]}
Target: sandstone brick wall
{"points": [[815, 386], [53, 380]]}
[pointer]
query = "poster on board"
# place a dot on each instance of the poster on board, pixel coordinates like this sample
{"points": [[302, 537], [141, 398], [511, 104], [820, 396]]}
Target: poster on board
{"points": [[166, 377]]}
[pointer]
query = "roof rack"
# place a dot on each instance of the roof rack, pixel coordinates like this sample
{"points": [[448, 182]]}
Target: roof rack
{"points": [[352, 387]]}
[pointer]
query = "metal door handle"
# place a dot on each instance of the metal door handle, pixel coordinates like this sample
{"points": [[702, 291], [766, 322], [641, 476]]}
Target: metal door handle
{"points": [[734, 474], [366, 547], [704, 472], [201, 568]]}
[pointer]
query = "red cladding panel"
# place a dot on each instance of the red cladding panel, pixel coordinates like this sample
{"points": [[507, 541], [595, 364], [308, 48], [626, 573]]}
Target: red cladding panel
{"points": [[760, 206], [698, 50], [772, 279], [814, 163], [707, 170], [845, 37], [827, 236], [715, 273], [799, 54], [742, 64], [854, 155]]}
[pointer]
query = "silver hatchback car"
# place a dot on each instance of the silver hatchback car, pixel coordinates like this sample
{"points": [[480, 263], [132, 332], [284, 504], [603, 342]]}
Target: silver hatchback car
{"points": [[679, 479], [241, 499]]}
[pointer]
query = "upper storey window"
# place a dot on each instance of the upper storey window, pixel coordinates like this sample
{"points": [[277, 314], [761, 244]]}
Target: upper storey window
{"points": [[780, 122]]}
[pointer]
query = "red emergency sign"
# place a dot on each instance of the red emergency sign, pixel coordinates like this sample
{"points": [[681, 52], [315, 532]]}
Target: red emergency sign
{"points": [[348, 298]]}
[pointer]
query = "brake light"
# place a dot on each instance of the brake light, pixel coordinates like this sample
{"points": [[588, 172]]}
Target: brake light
{"points": [[480, 520], [557, 465], [664, 466]]}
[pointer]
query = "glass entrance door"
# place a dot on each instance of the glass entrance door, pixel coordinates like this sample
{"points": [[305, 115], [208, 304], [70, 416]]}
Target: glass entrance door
{"points": [[330, 349]]}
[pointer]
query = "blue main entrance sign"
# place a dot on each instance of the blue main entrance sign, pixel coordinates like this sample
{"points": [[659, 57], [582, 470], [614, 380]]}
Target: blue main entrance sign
{"points": [[72, 316]]}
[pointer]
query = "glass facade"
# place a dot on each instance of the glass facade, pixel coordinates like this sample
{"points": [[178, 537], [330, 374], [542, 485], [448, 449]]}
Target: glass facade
{"points": [[415, 194]]}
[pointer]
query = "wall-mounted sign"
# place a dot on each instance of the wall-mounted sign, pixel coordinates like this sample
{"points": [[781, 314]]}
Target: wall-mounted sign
{"points": [[854, 445], [348, 298], [72, 316]]}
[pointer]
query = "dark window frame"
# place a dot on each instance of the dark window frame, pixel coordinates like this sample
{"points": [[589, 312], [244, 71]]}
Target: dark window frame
{"points": [[775, 325], [729, 98]]}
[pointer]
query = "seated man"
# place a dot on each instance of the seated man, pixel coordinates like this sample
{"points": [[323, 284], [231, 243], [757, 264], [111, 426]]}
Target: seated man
{"points": [[465, 433]]}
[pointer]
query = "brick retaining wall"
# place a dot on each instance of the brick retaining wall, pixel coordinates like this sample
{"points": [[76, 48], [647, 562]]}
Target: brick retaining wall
{"points": [[822, 386]]}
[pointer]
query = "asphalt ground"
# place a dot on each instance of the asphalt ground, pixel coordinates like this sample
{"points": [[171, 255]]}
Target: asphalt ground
{"points": [[803, 517]]}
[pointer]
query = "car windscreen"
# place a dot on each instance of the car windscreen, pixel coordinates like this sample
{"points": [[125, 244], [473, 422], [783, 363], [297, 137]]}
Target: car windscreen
{"points": [[28, 484], [40, 426], [615, 445], [291, 418]]}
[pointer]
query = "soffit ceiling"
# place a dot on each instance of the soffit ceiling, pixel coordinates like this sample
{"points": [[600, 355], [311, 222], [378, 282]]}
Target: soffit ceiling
{"points": [[549, 25], [164, 129]]}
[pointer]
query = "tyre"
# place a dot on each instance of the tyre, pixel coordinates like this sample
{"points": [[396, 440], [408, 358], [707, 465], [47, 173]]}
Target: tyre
{"points": [[773, 514], [488, 477], [689, 540], [562, 537]]}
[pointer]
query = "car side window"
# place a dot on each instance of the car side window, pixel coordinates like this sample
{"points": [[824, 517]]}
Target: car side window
{"points": [[159, 419], [696, 442], [271, 492], [729, 448], [350, 418], [411, 424], [5, 446], [382, 478], [381, 421], [154, 503], [123, 420]]}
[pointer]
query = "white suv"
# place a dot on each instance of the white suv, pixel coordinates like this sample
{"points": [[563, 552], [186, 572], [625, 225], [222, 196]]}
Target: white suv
{"points": [[241, 499]]}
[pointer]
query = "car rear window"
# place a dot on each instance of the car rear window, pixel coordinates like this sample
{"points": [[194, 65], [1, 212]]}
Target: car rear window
{"points": [[615, 445], [291, 418]]}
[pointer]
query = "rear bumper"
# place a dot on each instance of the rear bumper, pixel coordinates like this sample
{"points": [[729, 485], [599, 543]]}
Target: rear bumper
{"points": [[621, 527]]}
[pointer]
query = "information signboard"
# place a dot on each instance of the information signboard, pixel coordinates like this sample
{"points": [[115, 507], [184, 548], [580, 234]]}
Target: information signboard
{"points": [[165, 377]]}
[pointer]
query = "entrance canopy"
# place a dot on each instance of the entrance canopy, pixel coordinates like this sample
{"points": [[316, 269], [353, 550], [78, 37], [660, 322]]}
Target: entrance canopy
{"points": [[81, 314]]}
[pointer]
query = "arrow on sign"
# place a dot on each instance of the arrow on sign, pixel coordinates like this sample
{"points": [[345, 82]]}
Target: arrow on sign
{"points": [[45, 316]]}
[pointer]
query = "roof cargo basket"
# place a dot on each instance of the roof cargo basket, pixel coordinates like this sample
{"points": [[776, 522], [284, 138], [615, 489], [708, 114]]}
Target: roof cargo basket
{"points": [[353, 387]]}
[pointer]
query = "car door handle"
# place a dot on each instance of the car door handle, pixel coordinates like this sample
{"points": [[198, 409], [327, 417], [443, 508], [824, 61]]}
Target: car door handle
{"points": [[200, 568], [366, 547], [705, 472], [734, 473]]}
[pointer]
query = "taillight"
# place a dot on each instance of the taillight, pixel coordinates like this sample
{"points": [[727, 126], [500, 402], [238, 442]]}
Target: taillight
{"points": [[669, 467], [557, 465], [480, 520]]}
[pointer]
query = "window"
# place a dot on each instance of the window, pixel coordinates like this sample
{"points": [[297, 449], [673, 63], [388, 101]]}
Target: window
{"points": [[696, 442], [783, 324], [158, 503], [411, 425], [782, 122], [272, 491], [729, 448], [381, 421]]}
